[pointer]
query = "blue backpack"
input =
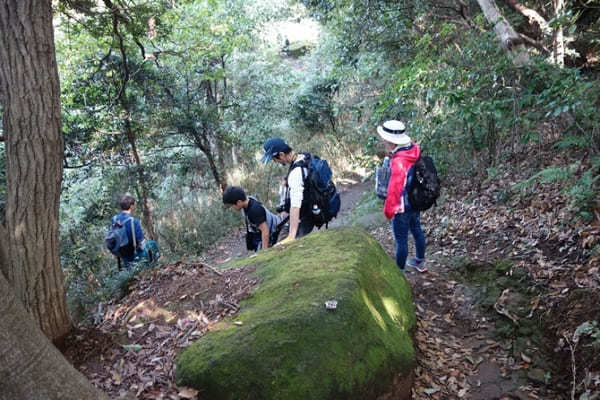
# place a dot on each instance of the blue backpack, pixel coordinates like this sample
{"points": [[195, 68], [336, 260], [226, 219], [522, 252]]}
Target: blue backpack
{"points": [[322, 194], [117, 236]]}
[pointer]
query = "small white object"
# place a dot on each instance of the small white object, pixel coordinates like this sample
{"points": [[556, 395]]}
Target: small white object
{"points": [[331, 304]]}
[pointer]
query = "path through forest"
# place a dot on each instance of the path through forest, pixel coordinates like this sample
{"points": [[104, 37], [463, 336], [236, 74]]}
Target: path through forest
{"points": [[459, 355]]}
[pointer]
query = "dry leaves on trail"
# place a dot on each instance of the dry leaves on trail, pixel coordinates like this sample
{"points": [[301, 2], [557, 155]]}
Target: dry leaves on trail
{"points": [[165, 311]]}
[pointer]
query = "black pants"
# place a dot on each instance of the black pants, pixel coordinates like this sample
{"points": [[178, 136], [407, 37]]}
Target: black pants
{"points": [[304, 227]]}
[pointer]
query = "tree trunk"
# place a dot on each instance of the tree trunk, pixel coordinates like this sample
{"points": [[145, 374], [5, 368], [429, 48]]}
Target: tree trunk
{"points": [[31, 367], [509, 39], [34, 153], [201, 143], [559, 37], [214, 139], [144, 199], [3, 250]]}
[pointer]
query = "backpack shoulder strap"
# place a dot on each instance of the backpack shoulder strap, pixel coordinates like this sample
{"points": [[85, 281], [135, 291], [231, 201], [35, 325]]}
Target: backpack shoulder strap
{"points": [[246, 219], [304, 164], [133, 233]]}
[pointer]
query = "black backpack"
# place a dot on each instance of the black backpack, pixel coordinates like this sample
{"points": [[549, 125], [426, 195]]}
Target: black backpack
{"points": [[322, 195], [424, 188]]}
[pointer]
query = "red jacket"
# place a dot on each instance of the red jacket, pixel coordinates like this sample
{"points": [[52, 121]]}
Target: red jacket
{"points": [[401, 161]]}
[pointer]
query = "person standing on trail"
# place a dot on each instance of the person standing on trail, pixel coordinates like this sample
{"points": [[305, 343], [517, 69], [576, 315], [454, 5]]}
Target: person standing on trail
{"points": [[301, 222], [262, 226], [137, 247], [403, 154]]}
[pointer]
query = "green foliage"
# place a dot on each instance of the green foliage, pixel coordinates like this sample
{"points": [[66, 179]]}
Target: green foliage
{"points": [[584, 191], [194, 223], [588, 328], [314, 108], [548, 175], [208, 83]]}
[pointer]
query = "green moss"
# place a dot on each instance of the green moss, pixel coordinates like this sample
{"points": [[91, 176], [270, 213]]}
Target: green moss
{"points": [[503, 266], [290, 346]]}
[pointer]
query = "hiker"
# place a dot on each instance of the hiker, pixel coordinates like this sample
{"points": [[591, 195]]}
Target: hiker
{"points": [[262, 226], [403, 154], [137, 247], [301, 222]]}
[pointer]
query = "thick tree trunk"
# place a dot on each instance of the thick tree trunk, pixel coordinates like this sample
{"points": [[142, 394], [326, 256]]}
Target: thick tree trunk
{"points": [[509, 39], [34, 153], [31, 367], [3, 250]]}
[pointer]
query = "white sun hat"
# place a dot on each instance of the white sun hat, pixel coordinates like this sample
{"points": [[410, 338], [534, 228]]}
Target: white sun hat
{"points": [[393, 131]]}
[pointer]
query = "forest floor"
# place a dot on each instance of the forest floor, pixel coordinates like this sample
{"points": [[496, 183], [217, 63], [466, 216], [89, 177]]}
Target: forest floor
{"points": [[507, 286]]}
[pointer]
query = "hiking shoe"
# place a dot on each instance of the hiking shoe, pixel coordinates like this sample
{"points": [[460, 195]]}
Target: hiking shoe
{"points": [[417, 264]]}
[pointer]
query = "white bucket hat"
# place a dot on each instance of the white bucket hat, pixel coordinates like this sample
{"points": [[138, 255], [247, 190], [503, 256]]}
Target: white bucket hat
{"points": [[393, 131]]}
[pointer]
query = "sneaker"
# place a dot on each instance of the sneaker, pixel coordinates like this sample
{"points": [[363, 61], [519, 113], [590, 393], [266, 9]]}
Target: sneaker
{"points": [[417, 264]]}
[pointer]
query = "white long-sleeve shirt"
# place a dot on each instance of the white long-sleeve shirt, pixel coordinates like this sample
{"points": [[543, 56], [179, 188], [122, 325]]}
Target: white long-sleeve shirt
{"points": [[296, 185]]}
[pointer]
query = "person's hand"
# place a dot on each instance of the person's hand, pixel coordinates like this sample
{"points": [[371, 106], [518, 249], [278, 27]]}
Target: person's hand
{"points": [[287, 240]]}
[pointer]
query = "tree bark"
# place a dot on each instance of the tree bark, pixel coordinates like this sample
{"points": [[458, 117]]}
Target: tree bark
{"points": [[3, 250], [509, 39], [559, 37], [31, 367], [34, 153]]}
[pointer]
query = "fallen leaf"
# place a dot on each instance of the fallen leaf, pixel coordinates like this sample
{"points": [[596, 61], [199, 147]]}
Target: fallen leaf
{"points": [[132, 347], [188, 393], [431, 390]]}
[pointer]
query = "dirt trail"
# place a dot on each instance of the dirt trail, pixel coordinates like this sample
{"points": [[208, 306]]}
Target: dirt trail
{"points": [[458, 355], [133, 348]]}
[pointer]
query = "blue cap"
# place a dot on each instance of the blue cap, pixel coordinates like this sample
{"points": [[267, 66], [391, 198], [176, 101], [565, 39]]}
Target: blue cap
{"points": [[272, 147]]}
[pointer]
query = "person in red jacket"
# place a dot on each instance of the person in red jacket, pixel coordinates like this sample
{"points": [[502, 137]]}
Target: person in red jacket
{"points": [[403, 154]]}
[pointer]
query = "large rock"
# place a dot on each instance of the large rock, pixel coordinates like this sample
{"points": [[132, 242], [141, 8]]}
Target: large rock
{"points": [[290, 347]]}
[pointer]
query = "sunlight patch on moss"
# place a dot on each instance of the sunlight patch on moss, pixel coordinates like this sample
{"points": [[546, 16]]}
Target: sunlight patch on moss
{"points": [[374, 313], [393, 309]]}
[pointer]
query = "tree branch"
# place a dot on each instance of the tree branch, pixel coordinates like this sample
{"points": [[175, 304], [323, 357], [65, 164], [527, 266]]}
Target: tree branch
{"points": [[534, 43], [533, 16]]}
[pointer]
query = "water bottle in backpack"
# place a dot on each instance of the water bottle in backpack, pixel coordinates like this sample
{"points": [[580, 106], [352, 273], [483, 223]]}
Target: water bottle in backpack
{"points": [[316, 210], [382, 178]]}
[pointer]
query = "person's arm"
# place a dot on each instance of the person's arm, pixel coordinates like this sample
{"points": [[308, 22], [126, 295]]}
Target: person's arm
{"points": [[294, 222], [139, 234], [265, 235], [393, 202], [296, 185]]}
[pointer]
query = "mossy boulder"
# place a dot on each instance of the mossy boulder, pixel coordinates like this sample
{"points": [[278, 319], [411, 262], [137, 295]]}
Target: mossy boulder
{"points": [[287, 345], [299, 48]]}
